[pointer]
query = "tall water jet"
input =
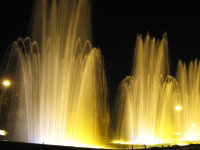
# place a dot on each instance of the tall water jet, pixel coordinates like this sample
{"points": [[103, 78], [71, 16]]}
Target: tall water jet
{"points": [[64, 84], [143, 97], [188, 121]]}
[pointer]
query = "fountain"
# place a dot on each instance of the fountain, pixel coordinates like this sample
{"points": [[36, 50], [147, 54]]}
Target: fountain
{"points": [[154, 107], [145, 96], [189, 90], [64, 91], [64, 85]]}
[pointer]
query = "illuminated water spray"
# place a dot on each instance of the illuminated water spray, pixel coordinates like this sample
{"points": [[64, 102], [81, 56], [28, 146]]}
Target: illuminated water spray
{"points": [[189, 87], [64, 83], [64, 90], [143, 97]]}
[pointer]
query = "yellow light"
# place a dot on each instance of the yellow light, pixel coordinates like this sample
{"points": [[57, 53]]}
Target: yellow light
{"points": [[178, 108], [3, 132], [193, 125], [138, 142], [122, 142], [182, 144], [6, 83], [192, 138], [177, 133]]}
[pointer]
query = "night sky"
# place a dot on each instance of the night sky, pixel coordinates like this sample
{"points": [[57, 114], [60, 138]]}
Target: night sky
{"points": [[115, 26]]}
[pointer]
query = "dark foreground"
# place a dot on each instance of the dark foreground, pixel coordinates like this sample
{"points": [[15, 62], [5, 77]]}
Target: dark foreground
{"points": [[5, 145]]}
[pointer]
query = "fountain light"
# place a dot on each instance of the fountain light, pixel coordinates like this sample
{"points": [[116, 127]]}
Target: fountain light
{"points": [[3, 132], [6, 83], [193, 125], [144, 141], [177, 133], [178, 108]]}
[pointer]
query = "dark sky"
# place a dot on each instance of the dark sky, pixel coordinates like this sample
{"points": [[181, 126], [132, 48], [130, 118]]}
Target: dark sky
{"points": [[115, 27]]}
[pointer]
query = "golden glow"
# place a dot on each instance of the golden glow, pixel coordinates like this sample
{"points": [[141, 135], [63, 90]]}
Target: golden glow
{"points": [[178, 108], [121, 142], [138, 142], [64, 82], [3, 132], [193, 125], [177, 133], [182, 144], [189, 86], [144, 96], [6, 83], [65, 88], [192, 138], [158, 143], [154, 107]]}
